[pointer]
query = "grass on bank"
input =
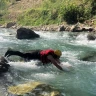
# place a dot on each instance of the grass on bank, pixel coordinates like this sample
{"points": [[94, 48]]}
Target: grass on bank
{"points": [[55, 12], [4, 10]]}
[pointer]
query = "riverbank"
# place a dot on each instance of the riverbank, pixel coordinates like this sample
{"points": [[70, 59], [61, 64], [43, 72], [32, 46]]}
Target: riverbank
{"points": [[79, 27], [49, 17]]}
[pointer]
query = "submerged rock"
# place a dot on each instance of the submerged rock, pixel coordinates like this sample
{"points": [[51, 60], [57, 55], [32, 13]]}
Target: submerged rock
{"points": [[4, 66], [89, 56], [91, 36], [33, 89]]}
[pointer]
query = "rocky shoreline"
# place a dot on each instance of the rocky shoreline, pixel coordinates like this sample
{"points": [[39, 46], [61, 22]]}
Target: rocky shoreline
{"points": [[63, 27], [58, 28]]}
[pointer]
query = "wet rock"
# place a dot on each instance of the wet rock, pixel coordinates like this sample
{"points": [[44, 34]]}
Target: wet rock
{"points": [[91, 36], [3, 60], [61, 28], [33, 89], [25, 33], [81, 28], [4, 66], [89, 56], [90, 29], [77, 29]]}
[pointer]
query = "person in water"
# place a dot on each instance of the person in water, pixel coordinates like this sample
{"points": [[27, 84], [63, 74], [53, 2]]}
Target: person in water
{"points": [[45, 56]]}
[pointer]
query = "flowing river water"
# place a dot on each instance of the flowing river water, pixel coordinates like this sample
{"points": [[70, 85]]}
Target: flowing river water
{"points": [[79, 82]]}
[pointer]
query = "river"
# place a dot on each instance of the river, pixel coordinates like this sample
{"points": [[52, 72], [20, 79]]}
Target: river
{"points": [[79, 82]]}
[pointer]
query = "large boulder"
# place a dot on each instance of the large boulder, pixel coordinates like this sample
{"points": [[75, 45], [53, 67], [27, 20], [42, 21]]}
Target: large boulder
{"points": [[24, 33], [33, 89]]}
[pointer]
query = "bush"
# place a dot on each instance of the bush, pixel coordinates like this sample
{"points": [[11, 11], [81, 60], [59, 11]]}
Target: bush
{"points": [[93, 5], [74, 13]]}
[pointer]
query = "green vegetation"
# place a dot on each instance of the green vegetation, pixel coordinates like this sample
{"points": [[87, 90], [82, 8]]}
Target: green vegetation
{"points": [[93, 5], [57, 12], [3, 4], [38, 17], [3, 10]]}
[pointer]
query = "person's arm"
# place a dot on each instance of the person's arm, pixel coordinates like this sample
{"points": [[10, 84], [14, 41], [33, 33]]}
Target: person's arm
{"points": [[58, 61], [55, 62]]}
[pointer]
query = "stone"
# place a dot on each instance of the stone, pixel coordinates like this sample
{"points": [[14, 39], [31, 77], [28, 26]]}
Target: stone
{"points": [[34, 88], [25, 33]]}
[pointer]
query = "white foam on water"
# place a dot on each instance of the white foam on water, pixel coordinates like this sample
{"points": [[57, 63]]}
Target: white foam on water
{"points": [[2, 39], [33, 70], [49, 35], [66, 66], [70, 55], [44, 76], [32, 65], [2, 91], [83, 40]]}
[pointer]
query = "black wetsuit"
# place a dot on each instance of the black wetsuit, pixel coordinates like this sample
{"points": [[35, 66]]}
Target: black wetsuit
{"points": [[33, 54]]}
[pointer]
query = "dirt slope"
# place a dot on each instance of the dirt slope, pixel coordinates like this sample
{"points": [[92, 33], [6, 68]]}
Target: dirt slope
{"points": [[19, 6]]}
